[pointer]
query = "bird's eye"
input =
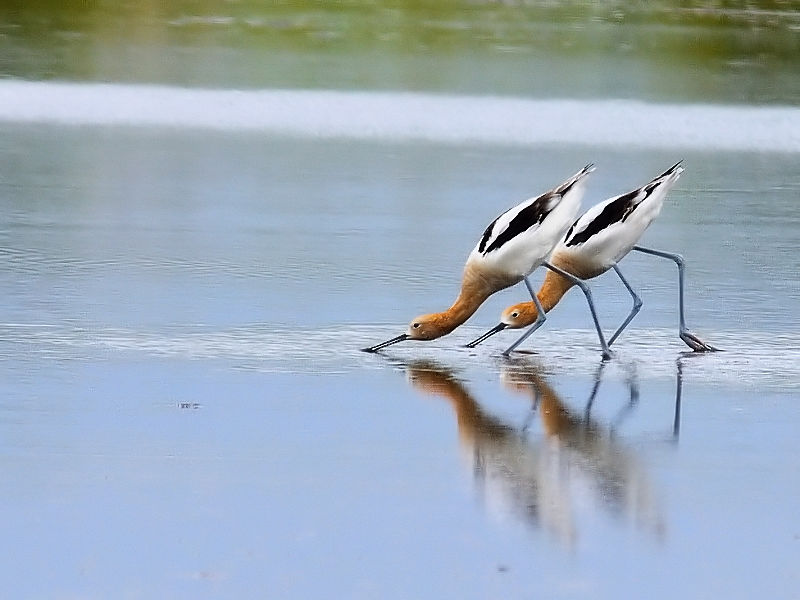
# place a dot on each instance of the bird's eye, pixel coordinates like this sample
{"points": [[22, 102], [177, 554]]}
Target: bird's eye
{"points": [[416, 325], [514, 315]]}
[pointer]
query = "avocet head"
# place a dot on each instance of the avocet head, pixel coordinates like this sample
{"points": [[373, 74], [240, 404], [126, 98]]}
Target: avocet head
{"points": [[519, 315], [424, 327], [428, 327]]}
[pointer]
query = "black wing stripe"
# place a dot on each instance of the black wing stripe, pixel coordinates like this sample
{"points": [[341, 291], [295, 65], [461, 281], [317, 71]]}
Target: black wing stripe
{"points": [[562, 190], [669, 171], [486, 235], [571, 228], [614, 212], [531, 215], [618, 210]]}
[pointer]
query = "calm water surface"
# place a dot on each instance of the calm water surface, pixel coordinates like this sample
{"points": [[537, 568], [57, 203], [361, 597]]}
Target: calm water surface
{"points": [[184, 411]]}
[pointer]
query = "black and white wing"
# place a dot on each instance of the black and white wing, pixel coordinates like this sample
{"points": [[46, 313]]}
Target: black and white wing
{"points": [[526, 216], [617, 210]]}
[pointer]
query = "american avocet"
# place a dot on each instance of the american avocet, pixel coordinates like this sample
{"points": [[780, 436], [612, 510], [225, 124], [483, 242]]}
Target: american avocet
{"points": [[513, 245], [597, 241]]}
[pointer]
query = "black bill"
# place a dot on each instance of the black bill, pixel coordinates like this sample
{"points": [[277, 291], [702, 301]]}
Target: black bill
{"points": [[497, 328], [376, 347]]}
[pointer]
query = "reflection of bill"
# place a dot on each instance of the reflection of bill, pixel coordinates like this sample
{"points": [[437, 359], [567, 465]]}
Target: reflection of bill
{"points": [[543, 480]]}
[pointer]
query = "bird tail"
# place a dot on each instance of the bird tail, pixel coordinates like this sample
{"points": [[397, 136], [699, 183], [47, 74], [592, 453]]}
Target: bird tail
{"points": [[570, 183], [666, 179], [675, 170]]}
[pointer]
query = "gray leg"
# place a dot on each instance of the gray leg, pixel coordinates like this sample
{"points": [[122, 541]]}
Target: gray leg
{"points": [[531, 291], [588, 293], [689, 339], [540, 319], [637, 306]]}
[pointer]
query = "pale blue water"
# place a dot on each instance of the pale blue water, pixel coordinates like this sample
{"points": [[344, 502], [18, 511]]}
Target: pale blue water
{"points": [[186, 412], [188, 276]]}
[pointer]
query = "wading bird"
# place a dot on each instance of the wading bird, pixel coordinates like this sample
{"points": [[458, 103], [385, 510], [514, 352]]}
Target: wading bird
{"points": [[598, 240], [513, 245]]}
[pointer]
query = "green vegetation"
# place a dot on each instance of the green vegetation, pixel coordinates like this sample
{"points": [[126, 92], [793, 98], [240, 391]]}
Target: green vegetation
{"points": [[477, 46]]}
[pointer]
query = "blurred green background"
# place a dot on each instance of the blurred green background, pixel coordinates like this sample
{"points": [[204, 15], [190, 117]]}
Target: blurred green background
{"points": [[738, 52]]}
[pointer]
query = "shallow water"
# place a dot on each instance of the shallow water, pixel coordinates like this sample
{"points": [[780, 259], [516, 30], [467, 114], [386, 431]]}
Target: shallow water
{"points": [[186, 411], [188, 276]]}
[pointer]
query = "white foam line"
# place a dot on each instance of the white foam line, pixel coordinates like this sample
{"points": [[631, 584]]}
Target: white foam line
{"points": [[407, 116], [752, 360]]}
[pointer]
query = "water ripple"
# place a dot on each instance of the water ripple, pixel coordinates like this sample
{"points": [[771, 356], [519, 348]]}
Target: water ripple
{"points": [[751, 359]]}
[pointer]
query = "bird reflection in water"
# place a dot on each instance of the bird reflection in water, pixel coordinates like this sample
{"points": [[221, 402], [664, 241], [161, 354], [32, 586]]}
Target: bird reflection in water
{"points": [[544, 479]]}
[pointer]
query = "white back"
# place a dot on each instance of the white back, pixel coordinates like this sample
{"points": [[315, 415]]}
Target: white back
{"points": [[516, 242], [606, 232]]}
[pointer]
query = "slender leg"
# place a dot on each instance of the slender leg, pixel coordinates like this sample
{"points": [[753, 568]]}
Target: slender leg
{"points": [[531, 291], [588, 293], [689, 339], [540, 319], [637, 306]]}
